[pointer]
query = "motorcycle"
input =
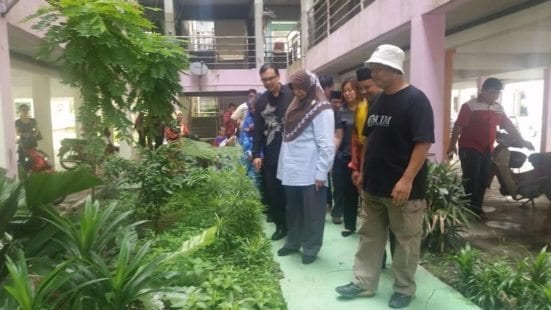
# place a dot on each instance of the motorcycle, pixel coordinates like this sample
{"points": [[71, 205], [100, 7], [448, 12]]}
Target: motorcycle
{"points": [[71, 153], [521, 186], [36, 161]]}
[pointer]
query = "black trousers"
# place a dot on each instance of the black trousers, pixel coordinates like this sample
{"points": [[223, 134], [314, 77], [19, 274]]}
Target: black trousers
{"points": [[330, 192], [306, 218], [476, 171], [345, 193], [158, 141], [274, 194]]}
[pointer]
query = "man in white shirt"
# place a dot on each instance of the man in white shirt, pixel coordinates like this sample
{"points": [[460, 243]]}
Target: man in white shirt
{"points": [[241, 111]]}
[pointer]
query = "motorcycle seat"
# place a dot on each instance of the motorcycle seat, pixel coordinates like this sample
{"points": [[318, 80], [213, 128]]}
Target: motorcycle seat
{"points": [[517, 159], [540, 159]]}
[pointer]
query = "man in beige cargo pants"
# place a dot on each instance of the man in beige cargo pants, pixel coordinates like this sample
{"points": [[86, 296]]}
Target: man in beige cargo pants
{"points": [[399, 131]]}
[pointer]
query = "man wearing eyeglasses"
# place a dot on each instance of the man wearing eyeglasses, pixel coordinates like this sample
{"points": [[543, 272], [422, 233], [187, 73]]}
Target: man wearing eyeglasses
{"points": [[268, 128]]}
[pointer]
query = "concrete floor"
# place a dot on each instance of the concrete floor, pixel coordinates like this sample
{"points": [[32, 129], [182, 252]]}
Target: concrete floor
{"points": [[509, 228], [312, 286]]}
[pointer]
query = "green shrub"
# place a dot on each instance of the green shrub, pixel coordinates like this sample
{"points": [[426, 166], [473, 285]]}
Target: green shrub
{"points": [[447, 214], [499, 285], [219, 276], [104, 266]]}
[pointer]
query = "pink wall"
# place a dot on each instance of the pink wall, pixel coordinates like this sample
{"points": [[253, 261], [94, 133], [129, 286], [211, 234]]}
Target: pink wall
{"points": [[427, 70], [7, 139], [225, 80], [380, 18]]}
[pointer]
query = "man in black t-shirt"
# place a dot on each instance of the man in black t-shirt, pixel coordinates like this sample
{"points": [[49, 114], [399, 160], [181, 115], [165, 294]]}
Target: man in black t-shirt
{"points": [[399, 131], [268, 128]]}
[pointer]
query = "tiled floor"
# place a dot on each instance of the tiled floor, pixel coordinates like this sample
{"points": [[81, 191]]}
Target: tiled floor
{"points": [[312, 286]]}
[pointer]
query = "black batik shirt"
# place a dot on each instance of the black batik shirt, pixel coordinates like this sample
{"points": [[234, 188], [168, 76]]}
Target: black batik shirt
{"points": [[268, 124]]}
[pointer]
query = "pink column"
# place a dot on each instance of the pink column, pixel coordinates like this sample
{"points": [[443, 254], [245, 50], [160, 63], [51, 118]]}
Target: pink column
{"points": [[448, 84], [8, 158], [427, 70], [546, 118]]}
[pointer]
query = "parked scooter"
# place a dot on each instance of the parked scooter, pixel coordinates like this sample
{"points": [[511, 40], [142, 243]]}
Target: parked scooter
{"points": [[521, 186]]}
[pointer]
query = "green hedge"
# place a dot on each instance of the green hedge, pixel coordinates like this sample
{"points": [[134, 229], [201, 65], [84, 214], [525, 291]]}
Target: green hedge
{"points": [[237, 271]]}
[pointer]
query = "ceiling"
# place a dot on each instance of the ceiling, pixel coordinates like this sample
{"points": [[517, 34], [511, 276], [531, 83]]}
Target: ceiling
{"points": [[473, 12], [489, 37]]}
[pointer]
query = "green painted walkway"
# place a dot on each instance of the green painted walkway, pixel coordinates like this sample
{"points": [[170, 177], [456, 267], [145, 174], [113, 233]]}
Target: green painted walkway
{"points": [[312, 287]]}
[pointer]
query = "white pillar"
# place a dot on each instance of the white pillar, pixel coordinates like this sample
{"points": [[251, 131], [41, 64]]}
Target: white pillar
{"points": [[127, 150], [546, 117], [77, 103], [448, 85], [259, 32], [8, 153], [170, 30], [427, 69], [42, 104]]}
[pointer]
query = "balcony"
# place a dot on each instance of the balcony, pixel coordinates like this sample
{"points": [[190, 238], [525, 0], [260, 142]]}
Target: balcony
{"points": [[326, 16], [239, 52]]}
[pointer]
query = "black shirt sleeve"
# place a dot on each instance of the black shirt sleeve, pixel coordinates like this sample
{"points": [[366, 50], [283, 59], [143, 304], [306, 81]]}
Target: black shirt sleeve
{"points": [[339, 123], [258, 135], [421, 119]]}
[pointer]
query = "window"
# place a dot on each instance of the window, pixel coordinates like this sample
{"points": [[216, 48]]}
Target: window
{"points": [[201, 35], [204, 106]]}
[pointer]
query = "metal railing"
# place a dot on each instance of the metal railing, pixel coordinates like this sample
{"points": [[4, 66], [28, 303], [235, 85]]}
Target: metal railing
{"points": [[294, 47], [326, 16], [238, 52]]}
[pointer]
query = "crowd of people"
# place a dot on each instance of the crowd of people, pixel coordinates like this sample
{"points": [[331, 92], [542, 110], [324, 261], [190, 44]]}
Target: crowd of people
{"points": [[359, 151], [370, 138]]}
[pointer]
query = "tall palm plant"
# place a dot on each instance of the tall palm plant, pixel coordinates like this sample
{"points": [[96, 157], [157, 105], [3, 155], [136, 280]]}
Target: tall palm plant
{"points": [[447, 214]]}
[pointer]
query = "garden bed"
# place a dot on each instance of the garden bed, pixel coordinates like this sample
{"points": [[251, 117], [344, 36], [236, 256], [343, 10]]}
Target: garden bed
{"points": [[202, 246], [489, 280]]}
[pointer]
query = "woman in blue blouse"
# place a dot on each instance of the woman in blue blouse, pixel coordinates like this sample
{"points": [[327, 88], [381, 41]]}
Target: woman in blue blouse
{"points": [[305, 158]]}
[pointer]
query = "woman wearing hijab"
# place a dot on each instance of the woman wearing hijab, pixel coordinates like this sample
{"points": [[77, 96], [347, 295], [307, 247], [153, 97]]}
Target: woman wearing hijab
{"points": [[306, 157]]}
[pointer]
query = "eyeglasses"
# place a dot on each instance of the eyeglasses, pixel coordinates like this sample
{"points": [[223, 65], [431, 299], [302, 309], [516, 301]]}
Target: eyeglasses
{"points": [[269, 79]]}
